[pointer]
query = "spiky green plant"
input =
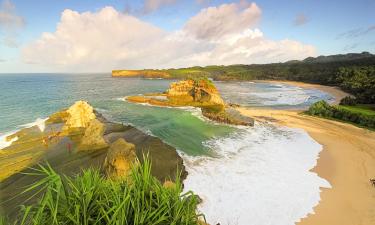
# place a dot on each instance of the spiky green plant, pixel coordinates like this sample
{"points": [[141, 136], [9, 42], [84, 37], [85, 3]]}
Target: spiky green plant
{"points": [[90, 199]]}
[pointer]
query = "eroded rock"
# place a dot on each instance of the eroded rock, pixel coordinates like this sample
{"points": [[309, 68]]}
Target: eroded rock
{"points": [[120, 158], [79, 115], [93, 136], [200, 93]]}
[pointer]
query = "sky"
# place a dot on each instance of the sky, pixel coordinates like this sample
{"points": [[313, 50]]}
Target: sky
{"points": [[98, 36]]}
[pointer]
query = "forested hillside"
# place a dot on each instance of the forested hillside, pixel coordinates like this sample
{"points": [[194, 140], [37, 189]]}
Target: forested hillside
{"points": [[353, 72]]}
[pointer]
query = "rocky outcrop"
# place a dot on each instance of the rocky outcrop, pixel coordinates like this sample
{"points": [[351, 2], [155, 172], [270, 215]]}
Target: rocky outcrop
{"points": [[76, 139], [200, 93], [93, 136], [120, 158], [79, 115]]}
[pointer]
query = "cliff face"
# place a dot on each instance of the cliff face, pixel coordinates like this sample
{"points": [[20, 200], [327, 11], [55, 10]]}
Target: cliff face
{"points": [[141, 73]]}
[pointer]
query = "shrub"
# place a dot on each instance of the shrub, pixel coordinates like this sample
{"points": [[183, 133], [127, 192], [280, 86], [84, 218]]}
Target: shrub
{"points": [[89, 199], [348, 101], [323, 109]]}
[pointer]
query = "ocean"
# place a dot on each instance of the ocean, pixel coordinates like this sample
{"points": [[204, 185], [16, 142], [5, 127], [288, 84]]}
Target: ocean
{"points": [[245, 175]]}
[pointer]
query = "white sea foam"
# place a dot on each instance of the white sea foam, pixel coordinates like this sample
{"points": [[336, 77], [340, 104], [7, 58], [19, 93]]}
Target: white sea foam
{"points": [[261, 176], [283, 95], [38, 122], [4, 143], [123, 99]]}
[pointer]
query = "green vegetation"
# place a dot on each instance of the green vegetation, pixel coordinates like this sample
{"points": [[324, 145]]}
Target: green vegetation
{"points": [[362, 109], [89, 199], [352, 72], [363, 116], [358, 80]]}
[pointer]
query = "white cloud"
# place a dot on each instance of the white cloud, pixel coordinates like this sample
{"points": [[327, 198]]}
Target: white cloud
{"points": [[10, 23], [108, 39], [216, 22], [8, 18]]}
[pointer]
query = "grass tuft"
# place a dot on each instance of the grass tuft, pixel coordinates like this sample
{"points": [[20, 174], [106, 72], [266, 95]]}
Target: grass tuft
{"points": [[90, 199]]}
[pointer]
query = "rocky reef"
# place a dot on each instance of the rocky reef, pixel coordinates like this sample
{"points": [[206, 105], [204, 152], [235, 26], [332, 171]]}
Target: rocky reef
{"points": [[78, 138], [200, 93]]}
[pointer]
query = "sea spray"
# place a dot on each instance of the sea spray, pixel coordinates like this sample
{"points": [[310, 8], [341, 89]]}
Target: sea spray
{"points": [[38, 122], [4, 142], [260, 176]]}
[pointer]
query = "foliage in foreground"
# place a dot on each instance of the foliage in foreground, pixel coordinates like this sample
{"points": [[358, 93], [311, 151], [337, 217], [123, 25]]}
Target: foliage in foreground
{"points": [[89, 199], [323, 109]]}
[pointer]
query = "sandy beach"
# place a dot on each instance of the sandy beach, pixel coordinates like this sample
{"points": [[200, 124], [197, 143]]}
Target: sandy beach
{"points": [[347, 161], [334, 91]]}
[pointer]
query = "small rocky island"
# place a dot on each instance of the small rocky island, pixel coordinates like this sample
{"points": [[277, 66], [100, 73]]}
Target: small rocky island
{"points": [[75, 139], [200, 93]]}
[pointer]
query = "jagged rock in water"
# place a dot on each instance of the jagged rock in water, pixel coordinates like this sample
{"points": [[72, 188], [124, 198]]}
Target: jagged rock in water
{"points": [[120, 158], [93, 136], [202, 91]]}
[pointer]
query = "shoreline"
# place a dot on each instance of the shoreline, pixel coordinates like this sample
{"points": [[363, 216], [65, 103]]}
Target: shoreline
{"points": [[336, 92], [346, 161]]}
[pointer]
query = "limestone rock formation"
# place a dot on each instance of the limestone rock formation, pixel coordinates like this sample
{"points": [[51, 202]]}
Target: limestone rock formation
{"points": [[141, 73], [202, 91], [93, 136], [79, 115], [120, 158]]}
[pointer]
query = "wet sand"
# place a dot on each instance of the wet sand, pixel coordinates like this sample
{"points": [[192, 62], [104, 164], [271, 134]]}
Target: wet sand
{"points": [[347, 161]]}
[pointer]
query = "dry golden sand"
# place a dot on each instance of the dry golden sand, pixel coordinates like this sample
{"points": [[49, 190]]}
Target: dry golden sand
{"points": [[347, 161]]}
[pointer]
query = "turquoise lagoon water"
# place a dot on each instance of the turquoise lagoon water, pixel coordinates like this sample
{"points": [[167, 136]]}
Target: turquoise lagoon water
{"points": [[258, 175]]}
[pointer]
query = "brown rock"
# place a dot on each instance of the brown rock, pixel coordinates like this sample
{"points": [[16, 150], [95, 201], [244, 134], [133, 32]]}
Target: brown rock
{"points": [[169, 184], [93, 136], [79, 115], [195, 91], [120, 158]]}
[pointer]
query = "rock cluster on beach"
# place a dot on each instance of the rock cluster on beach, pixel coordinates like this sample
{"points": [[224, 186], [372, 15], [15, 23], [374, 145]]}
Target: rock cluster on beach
{"points": [[79, 138], [200, 93]]}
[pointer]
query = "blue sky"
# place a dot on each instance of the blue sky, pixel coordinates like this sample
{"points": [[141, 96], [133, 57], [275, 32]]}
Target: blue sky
{"points": [[331, 27]]}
